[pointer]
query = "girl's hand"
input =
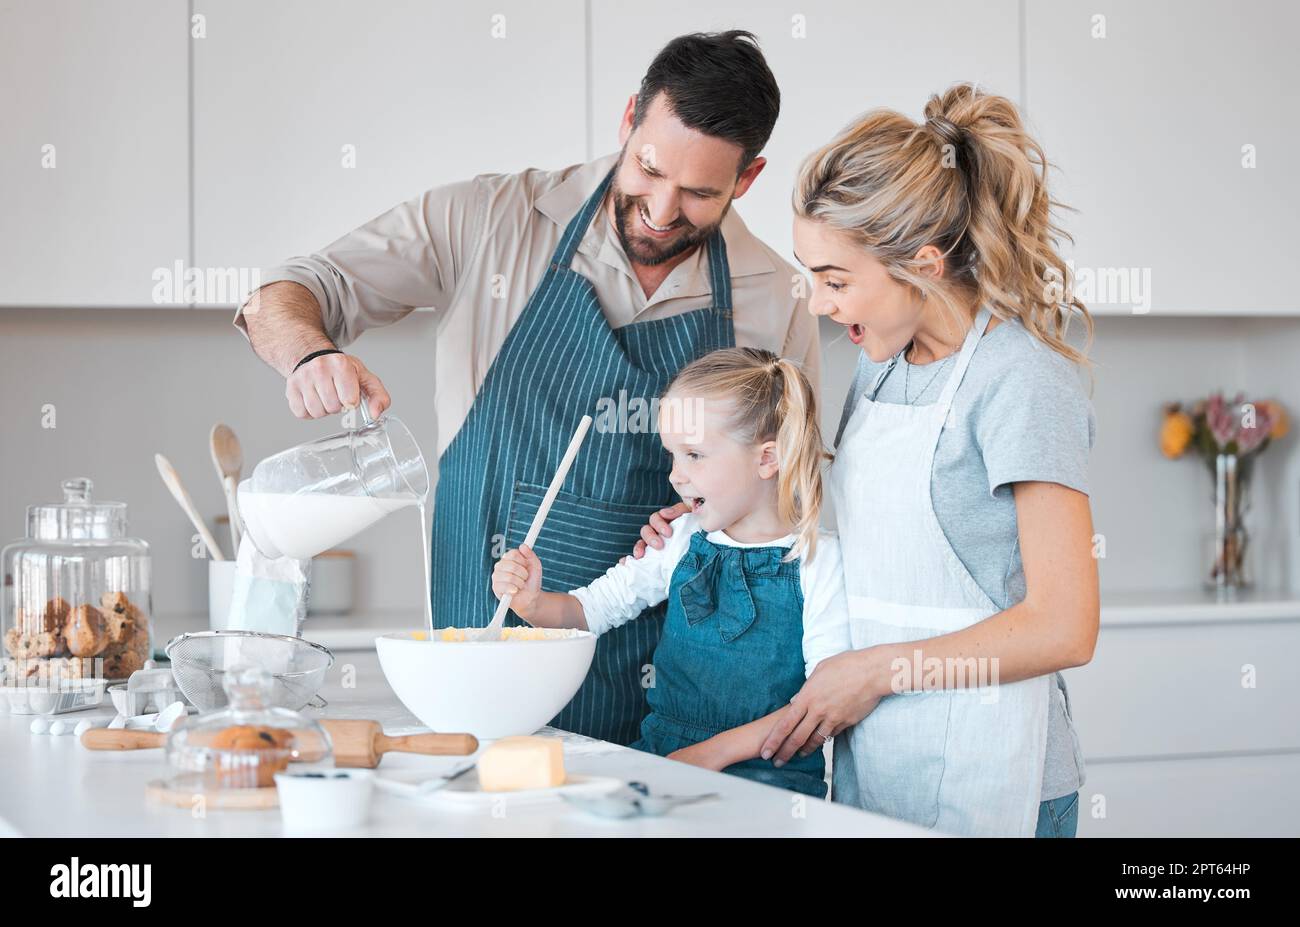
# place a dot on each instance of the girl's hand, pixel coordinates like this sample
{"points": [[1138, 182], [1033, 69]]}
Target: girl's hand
{"points": [[838, 695], [519, 574], [701, 754]]}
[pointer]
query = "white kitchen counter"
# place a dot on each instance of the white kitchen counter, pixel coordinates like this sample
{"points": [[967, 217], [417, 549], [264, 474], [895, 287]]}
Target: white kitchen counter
{"points": [[52, 786]]}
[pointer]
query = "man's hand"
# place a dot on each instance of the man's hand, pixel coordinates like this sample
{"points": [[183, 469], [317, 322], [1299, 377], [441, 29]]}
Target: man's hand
{"points": [[284, 325], [658, 529], [331, 383]]}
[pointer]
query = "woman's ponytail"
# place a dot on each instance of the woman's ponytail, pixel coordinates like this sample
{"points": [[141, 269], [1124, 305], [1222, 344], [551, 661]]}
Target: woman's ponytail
{"points": [[968, 180], [1012, 238]]}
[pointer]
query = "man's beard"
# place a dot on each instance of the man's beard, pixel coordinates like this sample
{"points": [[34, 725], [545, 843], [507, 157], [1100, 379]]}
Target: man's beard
{"points": [[646, 252]]}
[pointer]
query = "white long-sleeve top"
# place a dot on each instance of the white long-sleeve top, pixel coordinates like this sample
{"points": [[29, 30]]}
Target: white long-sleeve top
{"points": [[627, 589]]}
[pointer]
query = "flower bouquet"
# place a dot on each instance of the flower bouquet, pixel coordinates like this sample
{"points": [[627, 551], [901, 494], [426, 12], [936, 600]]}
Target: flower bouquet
{"points": [[1228, 436]]}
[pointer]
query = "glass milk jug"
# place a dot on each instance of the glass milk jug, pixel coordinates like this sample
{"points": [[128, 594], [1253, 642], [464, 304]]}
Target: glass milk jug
{"points": [[310, 498]]}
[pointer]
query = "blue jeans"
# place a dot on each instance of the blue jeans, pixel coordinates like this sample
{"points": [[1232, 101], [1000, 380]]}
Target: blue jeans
{"points": [[1059, 817]]}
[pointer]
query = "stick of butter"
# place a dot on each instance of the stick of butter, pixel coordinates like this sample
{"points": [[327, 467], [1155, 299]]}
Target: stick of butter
{"points": [[521, 763]]}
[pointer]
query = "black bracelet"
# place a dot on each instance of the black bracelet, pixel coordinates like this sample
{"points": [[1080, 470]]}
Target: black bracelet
{"points": [[313, 355]]}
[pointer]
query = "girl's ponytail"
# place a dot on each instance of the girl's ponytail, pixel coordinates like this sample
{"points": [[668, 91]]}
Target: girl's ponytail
{"points": [[800, 451]]}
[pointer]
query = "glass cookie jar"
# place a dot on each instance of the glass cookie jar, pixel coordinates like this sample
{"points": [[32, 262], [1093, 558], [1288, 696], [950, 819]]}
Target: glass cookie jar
{"points": [[76, 604]]}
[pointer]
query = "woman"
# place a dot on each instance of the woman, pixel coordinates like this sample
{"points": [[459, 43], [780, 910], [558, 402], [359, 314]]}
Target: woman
{"points": [[960, 474]]}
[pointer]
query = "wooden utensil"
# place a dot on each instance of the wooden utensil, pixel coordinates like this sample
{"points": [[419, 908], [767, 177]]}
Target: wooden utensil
{"points": [[173, 482], [363, 743], [228, 458], [493, 630], [357, 743], [105, 738]]}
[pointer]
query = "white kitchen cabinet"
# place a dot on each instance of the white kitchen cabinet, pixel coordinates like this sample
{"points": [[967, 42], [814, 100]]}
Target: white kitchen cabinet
{"points": [[425, 93], [1230, 796], [1189, 689], [1187, 717], [832, 60], [1148, 126], [101, 89]]}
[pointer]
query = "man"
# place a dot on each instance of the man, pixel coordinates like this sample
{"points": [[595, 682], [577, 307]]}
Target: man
{"points": [[544, 313]]}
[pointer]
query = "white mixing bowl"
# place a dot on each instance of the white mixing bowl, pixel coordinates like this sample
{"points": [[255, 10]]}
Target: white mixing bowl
{"points": [[489, 689]]}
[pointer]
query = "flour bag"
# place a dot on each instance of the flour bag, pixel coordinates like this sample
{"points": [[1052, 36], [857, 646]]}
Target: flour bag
{"points": [[268, 595]]}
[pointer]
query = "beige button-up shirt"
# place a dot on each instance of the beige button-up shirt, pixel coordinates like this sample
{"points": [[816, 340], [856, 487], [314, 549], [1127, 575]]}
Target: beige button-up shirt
{"points": [[474, 251]]}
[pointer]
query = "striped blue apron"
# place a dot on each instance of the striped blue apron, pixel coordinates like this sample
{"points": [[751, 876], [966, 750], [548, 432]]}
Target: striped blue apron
{"points": [[558, 361]]}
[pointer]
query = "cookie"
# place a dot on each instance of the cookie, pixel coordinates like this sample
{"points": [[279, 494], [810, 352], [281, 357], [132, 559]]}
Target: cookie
{"points": [[17, 643], [85, 632], [49, 620], [122, 665], [135, 642], [118, 626], [28, 645], [139, 642], [55, 615], [114, 602], [136, 614]]}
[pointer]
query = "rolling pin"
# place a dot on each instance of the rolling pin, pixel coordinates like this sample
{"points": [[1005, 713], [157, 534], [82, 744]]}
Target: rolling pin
{"points": [[357, 743], [363, 743], [105, 738]]}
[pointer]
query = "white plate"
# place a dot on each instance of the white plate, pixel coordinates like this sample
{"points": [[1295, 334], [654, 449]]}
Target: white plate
{"points": [[466, 791]]}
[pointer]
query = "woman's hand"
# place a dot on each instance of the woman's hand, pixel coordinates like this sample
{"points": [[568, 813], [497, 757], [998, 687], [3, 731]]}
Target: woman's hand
{"points": [[703, 754], [842, 690], [659, 528], [519, 574]]}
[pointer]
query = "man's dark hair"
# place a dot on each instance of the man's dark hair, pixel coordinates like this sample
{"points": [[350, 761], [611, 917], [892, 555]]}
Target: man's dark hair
{"points": [[717, 83]]}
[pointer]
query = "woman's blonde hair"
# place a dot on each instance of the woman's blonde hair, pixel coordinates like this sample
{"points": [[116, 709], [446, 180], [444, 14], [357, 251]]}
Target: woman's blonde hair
{"points": [[968, 180], [771, 400]]}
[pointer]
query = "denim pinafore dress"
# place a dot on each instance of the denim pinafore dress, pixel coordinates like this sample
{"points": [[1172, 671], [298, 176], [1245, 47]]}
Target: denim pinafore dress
{"points": [[731, 652]]}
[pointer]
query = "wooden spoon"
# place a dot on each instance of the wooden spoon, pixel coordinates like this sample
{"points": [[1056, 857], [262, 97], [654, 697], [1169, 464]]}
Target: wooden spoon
{"points": [[228, 458], [493, 631], [173, 482]]}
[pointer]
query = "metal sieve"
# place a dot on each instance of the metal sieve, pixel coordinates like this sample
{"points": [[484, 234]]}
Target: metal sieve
{"points": [[201, 661]]}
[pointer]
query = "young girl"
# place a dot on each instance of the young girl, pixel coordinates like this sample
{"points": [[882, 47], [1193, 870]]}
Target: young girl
{"points": [[755, 593]]}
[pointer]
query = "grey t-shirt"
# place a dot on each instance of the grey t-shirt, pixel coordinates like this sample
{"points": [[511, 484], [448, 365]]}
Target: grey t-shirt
{"points": [[1021, 413]]}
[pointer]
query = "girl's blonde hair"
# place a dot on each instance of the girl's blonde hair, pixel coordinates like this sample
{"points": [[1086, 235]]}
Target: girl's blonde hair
{"points": [[771, 400], [968, 180]]}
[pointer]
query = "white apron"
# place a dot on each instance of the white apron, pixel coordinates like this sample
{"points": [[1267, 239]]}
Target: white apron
{"points": [[962, 761]]}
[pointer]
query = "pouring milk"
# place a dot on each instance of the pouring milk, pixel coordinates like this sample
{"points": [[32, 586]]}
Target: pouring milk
{"points": [[303, 525], [307, 499]]}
